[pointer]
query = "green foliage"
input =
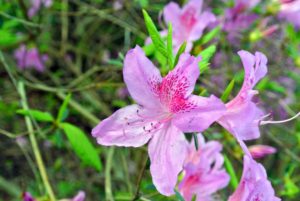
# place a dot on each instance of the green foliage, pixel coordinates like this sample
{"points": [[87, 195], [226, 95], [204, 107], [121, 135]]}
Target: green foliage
{"points": [[178, 196], [180, 51], [231, 172], [82, 146], [209, 36], [227, 91], [37, 115], [206, 55], [170, 46], [155, 35], [62, 113]]}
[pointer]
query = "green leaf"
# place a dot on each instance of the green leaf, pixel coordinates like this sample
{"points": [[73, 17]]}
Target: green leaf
{"points": [[209, 36], [206, 55], [196, 141], [180, 51], [149, 49], [82, 146], [227, 91], [7, 38], [63, 109], [170, 46], [37, 115], [155, 35], [231, 172], [178, 195]]}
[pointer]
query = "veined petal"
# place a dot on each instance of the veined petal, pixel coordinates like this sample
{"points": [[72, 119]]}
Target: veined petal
{"points": [[142, 78], [131, 126], [201, 114], [179, 83], [167, 151], [203, 21]]}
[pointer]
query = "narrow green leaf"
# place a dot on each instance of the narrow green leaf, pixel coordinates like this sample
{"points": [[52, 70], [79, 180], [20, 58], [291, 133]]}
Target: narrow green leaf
{"points": [[170, 46], [206, 55], [231, 172], [82, 146], [155, 35], [180, 51], [149, 49], [63, 109], [209, 36], [227, 91], [178, 195], [37, 115], [196, 141]]}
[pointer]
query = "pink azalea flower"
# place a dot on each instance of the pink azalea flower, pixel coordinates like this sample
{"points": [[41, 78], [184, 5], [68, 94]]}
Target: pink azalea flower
{"points": [[188, 23], [290, 11], [260, 151], [238, 18], [243, 116], [30, 58], [165, 109], [36, 6], [254, 184], [27, 197], [203, 172]]}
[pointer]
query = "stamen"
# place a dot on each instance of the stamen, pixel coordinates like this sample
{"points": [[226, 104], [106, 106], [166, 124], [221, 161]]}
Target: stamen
{"points": [[280, 122]]}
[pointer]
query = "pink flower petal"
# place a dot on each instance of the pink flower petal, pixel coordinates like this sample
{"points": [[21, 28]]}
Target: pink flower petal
{"points": [[243, 116], [142, 78], [172, 13], [167, 151], [203, 21], [254, 184], [204, 112], [80, 196], [260, 151], [125, 127], [203, 172]]}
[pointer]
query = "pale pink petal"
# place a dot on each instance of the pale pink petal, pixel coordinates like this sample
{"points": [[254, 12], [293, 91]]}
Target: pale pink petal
{"points": [[193, 5], [203, 172], [200, 115], [167, 151], [172, 13], [80, 196], [242, 121], [203, 21], [254, 184], [260, 151], [129, 126], [142, 78]]}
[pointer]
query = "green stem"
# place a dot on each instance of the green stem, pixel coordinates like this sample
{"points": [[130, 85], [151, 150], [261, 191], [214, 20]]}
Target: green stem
{"points": [[108, 191], [34, 144]]}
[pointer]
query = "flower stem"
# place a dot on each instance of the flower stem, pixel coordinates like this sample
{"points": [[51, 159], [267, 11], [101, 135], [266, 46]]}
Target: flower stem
{"points": [[34, 144], [108, 192]]}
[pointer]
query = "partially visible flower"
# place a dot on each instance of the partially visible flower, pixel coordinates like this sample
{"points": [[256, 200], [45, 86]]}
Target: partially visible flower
{"points": [[30, 58], [36, 6], [118, 5], [243, 116], [260, 151], [238, 18], [27, 197], [21, 141], [254, 184], [165, 109], [290, 11], [79, 197], [263, 30], [188, 23], [203, 172]]}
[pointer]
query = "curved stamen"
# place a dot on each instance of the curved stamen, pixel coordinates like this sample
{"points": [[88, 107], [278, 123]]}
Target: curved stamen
{"points": [[280, 122]]}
